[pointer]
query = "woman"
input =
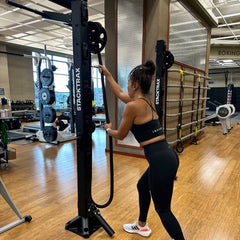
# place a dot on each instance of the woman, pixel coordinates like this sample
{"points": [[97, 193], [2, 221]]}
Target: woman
{"points": [[141, 118]]}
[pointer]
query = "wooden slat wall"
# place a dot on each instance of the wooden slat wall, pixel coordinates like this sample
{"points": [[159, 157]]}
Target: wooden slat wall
{"points": [[174, 78]]}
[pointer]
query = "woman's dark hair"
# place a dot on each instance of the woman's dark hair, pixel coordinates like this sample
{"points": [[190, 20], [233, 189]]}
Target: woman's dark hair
{"points": [[143, 75]]}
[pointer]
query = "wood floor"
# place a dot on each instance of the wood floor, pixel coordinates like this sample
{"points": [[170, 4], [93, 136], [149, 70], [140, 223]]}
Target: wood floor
{"points": [[206, 199]]}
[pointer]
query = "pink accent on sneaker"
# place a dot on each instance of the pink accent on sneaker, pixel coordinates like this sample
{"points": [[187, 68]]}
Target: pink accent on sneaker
{"points": [[135, 228]]}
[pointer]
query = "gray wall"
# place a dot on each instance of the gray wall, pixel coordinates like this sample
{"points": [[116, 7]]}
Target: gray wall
{"points": [[156, 15], [20, 76], [4, 77], [16, 75]]}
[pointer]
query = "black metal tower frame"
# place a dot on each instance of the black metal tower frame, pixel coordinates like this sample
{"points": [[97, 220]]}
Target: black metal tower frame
{"points": [[88, 219], [160, 50]]}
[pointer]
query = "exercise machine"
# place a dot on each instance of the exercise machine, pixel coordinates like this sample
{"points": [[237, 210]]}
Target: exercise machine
{"points": [[85, 40], [164, 60], [224, 112]]}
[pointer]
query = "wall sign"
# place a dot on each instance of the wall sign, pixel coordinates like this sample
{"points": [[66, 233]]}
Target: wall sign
{"points": [[228, 52]]}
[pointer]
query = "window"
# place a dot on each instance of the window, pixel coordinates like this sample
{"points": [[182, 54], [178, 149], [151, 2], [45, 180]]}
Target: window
{"points": [[130, 23], [187, 37], [97, 87], [61, 82]]}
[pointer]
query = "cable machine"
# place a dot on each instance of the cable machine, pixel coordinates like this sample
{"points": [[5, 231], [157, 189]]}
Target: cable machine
{"points": [[85, 40], [164, 60]]}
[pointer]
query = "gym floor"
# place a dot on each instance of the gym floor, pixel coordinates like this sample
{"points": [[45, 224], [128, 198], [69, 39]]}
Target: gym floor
{"points": [[42, 183]]}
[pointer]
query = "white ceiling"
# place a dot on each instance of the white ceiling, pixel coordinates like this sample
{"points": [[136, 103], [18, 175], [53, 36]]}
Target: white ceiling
{"points": [[227, 14], [22, 27]]}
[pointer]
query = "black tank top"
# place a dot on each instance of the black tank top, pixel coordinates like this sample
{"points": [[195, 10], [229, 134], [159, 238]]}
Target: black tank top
{"points": [[148, 130]]}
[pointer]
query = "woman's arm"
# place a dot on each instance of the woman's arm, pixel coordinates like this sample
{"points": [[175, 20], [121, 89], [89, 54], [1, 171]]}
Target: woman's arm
{"points": [[117, 90], [125, 125]]}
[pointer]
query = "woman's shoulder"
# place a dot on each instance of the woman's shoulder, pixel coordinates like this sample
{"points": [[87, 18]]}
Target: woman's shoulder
{"points": [[133, 106], [135, 103]]}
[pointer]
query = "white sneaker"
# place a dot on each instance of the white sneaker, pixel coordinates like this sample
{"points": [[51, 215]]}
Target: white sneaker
{"points": [[135, 228]]}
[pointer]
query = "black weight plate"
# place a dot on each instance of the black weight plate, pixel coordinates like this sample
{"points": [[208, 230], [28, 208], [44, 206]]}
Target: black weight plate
{"points": [[223, 112], [97, 37], [47, 96], [47, 77], [50, 133], [168, 59], [49, 114]]}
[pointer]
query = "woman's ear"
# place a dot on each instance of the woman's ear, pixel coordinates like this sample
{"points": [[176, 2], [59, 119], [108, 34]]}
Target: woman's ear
{"points": [[136, 85]]}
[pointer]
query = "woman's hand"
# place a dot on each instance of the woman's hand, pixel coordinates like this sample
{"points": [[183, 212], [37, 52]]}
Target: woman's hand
{"points": [[104, 70], [108, 125]]}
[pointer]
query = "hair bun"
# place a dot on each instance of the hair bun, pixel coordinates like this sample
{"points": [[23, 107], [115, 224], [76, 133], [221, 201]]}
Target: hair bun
{"points": [[150, 66]]}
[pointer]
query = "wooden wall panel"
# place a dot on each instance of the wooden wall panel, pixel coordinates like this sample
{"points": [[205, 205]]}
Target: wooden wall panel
{"points": [[189, 107]]}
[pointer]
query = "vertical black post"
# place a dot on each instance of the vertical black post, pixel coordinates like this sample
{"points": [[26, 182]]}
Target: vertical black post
{"points": [[229, 92], [89, 218], [159, 82], [83, 119], [39, 87], [83, 102]]}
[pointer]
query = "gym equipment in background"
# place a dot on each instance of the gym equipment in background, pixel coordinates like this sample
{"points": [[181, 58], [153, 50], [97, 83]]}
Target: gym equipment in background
{"points": [[180, 113], [48, 131], [46, 93], [164, 60], [8, 199], [224, 112], [179, 146], [194, 141], [88, 219]]}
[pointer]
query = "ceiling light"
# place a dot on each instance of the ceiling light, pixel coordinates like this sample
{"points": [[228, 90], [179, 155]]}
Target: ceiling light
{"points": [[228, 61]]}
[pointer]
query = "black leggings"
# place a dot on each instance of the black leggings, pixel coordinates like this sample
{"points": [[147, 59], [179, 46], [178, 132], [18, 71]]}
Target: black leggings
{"points": [[157, 182]]}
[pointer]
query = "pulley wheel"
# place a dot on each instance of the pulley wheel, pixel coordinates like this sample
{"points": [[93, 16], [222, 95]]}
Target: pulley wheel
{"points": [[47, 96], [168, 59], [49, 114], [50, 133], [97, 37], [47, 77]]}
